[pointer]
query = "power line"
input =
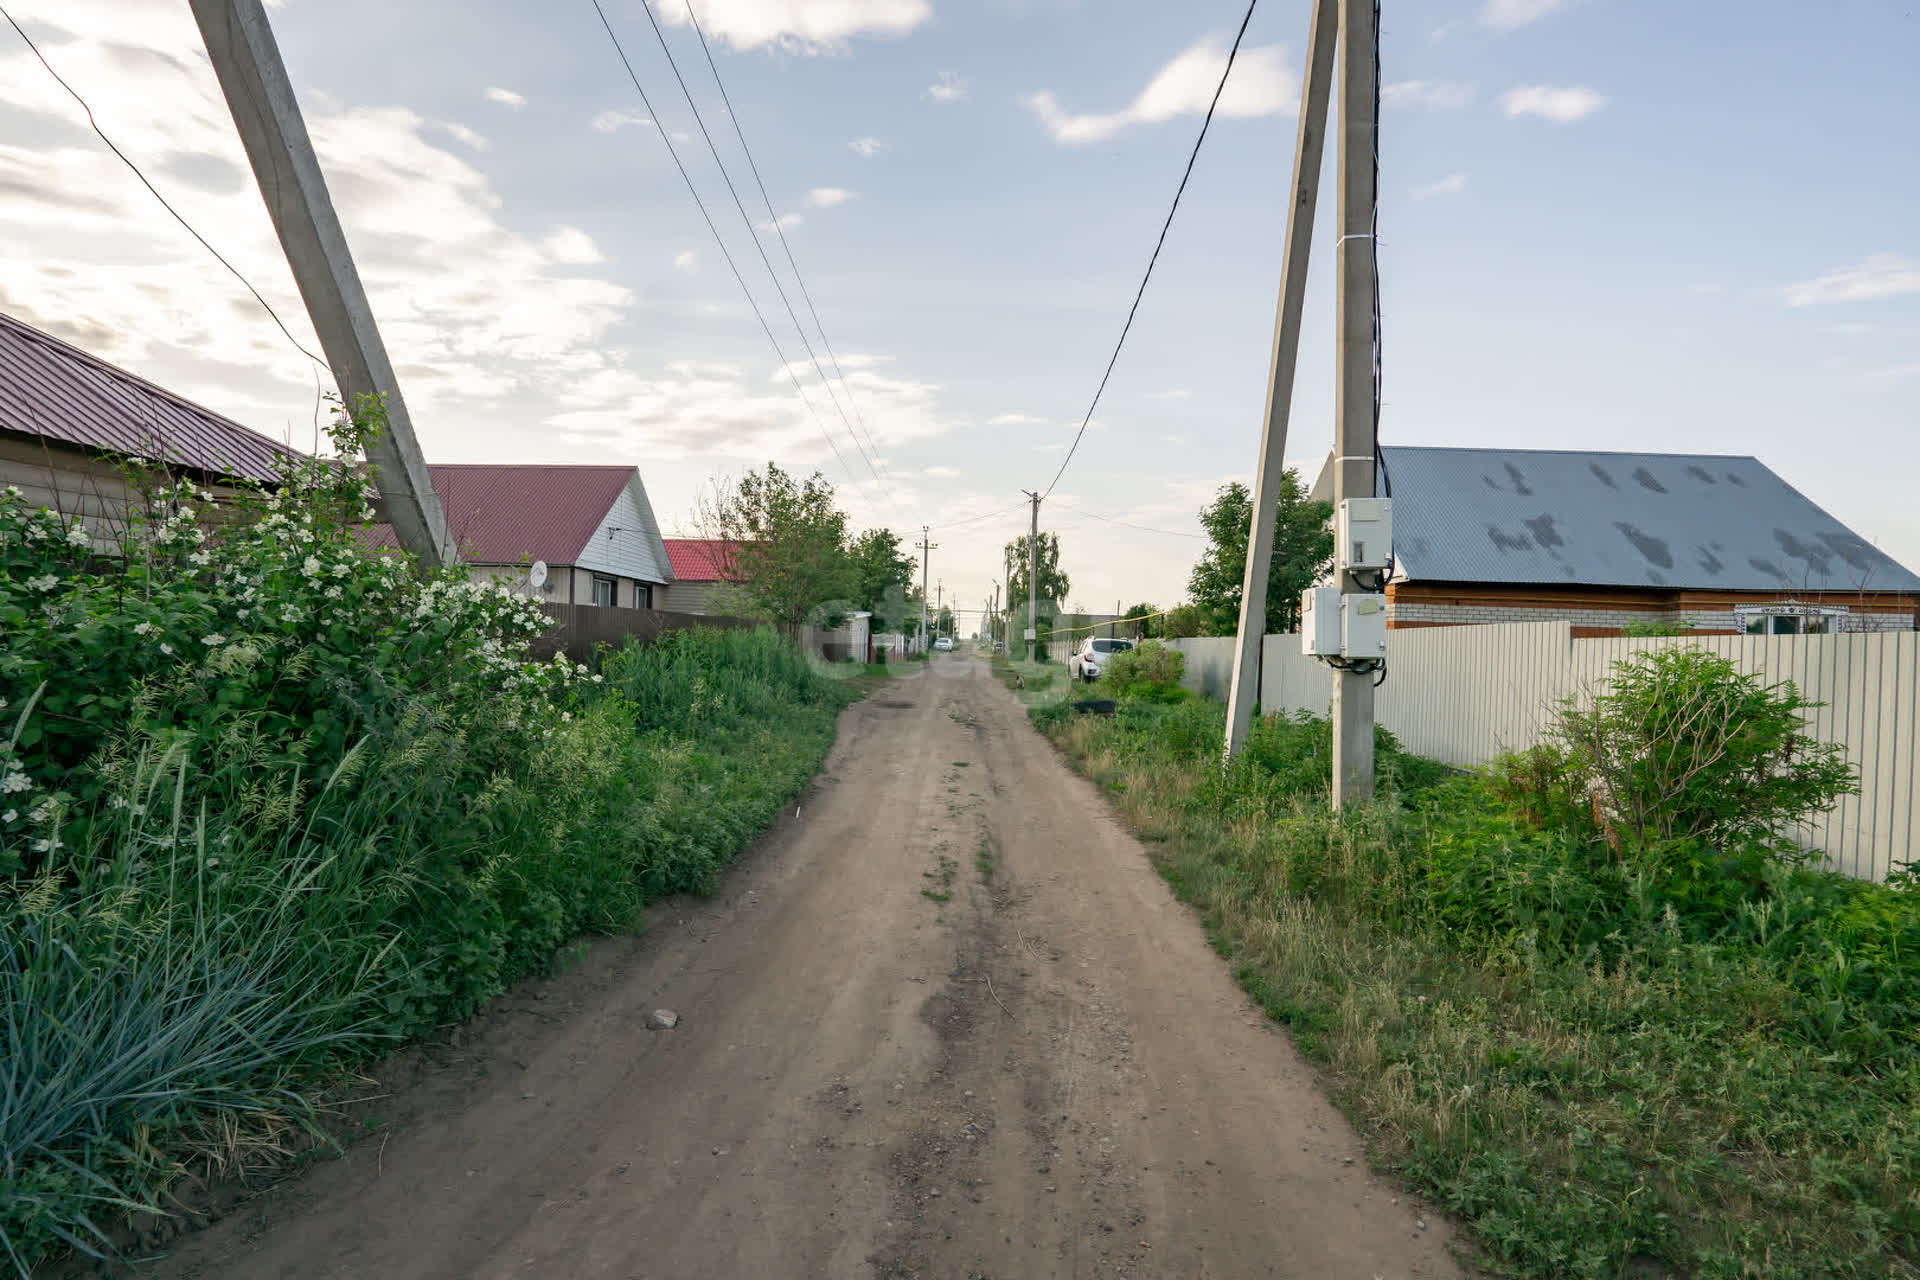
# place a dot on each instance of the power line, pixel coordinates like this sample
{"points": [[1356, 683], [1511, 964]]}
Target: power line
{"points": [[760, 248], [805, 294], [739, 279], [1084, 514], [963, 523], [155, 191], [1158, 245]]}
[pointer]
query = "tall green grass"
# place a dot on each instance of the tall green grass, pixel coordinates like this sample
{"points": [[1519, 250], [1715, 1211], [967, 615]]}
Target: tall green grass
{"points": [[231, 938], [1552, 1049]]}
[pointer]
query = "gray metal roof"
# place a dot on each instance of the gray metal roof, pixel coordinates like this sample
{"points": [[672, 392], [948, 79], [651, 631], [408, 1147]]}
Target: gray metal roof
{"points": [[53, 390], [1674, 520]]}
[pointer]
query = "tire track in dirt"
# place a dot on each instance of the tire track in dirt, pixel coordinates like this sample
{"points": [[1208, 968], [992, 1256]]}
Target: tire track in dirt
{"points": [[1049, 1073]]}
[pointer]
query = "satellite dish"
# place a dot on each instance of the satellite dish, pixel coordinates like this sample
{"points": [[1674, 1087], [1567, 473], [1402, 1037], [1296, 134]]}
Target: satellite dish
{"points": [[537, 575]]}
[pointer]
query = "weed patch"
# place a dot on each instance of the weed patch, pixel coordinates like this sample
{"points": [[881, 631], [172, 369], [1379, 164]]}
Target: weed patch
{"points": [[1544, 1041]]}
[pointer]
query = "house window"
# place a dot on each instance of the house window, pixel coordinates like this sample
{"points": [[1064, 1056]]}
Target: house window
{"points": [[603, 590], [643, 595], [1790, 619]]}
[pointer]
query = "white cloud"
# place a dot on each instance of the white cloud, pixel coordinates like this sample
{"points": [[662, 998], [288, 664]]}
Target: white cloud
{"points": [[1015, 420], [867, 148], [1451, 185], [828, 197], [613, 121], [800, 26], [687, 260], [940, 473], [1262, 84], [1506, 15], [484, 324], [1884, 275], [950, 87], [1439, 94], [460, 133], [506, 98], [1551, 103], [1173, 393], [572, 247], [784, 221], [1895, 372]]}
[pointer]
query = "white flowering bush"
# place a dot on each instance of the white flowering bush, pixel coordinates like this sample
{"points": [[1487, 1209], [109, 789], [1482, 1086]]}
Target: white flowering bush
{"points": [[271, 618]]}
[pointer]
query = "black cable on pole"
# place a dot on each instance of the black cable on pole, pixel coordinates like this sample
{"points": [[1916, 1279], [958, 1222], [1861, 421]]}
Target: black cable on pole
{"points": [[731, 265], [760, 248], [155, 192], [1157, 246], [806, 294]]}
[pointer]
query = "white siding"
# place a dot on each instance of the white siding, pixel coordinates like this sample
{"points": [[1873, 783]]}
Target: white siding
{"points": [[627, 544], [1465, 694]]}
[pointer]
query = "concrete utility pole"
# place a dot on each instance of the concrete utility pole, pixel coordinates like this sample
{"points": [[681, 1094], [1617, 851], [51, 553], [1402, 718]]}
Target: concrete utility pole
{"points": [[925, 547], [253, 78], [1354, 403], [1033, 576], [1244, 695]]}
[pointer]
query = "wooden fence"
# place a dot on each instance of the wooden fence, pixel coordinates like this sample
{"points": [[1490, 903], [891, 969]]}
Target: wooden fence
{"points": [[1465, 694], [580, 629]]}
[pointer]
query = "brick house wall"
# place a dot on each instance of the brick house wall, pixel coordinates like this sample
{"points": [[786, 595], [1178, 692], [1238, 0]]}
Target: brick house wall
{"points": [[1608, 611]]}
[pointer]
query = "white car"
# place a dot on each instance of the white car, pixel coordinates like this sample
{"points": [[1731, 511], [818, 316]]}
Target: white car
{"points": [[1093, 654], [944, 644]]}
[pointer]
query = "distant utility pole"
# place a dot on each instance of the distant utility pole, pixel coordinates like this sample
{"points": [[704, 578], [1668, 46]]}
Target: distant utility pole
{"points": [[1244, 695], [925, 548], [1033, 576], [1355, 404], [247, 61]]}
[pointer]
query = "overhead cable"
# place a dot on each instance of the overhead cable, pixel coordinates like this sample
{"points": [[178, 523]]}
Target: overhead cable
{"points": [[739, 279], [779, 230], [155, 191], [760, 248], [1157, 246]]}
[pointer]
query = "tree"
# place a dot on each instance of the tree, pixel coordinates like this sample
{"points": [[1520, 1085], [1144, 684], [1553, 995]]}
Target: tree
{"points": [[1146, 628], [943, 625], [790, 543], [1302, 555], [883, 580], [1053, 583]]}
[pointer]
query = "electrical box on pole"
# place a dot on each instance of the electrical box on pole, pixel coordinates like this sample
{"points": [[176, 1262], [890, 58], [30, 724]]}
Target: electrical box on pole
{"points": [[1320, 622], [1363, 535]]}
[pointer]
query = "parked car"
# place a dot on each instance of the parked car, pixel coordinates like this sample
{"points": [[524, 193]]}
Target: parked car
{"points": [[1093, 654], [944, 644]]}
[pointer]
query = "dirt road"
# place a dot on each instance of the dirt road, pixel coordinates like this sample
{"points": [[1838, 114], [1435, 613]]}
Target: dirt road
{"points": [[945, 1021]]}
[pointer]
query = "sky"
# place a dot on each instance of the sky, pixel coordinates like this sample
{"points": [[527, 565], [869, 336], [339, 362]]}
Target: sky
{"points": [[1609, 224]]}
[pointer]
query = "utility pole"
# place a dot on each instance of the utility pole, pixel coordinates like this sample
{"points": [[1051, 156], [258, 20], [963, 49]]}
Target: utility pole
{"points": [[1033, 575], [1244, 696], [254, 80], [993, 615], [1355, 403], [925, 548]]}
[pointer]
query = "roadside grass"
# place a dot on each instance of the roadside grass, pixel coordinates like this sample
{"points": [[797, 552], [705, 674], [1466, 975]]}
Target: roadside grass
{"points": [[942, 877], [1034, 683], [232, 939], [1649, 1102]]}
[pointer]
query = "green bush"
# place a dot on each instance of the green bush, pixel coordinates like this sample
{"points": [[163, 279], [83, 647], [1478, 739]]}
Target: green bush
{"points": [[1149, 670], [274, 803], [1596, 1068]]}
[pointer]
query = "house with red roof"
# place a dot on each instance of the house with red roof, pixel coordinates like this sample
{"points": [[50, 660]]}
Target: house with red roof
{"points": [[700, 567], [70, 424], [590, 528]]}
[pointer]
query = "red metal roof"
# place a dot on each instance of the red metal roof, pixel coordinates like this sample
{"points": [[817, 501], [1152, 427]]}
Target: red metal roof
{"points": [[507, 513], [699, 559], [55, 391]]}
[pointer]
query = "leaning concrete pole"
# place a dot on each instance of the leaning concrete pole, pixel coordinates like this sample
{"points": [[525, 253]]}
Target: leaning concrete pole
{"points": [[1244, 695], [1353, 461], [258, 92]]}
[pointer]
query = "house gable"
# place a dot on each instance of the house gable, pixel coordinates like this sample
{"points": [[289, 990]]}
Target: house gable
{"points": [[627, 541]]}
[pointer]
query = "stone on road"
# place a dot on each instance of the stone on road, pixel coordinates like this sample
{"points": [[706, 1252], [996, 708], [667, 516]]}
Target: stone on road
{"points": [[952, 1025]]}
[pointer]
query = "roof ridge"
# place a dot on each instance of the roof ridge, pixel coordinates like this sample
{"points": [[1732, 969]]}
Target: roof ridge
{"points": [[1605, 453]]}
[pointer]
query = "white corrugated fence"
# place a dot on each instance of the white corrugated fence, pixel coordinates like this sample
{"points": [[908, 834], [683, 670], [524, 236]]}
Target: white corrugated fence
{"points": [[1465, 694]]}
